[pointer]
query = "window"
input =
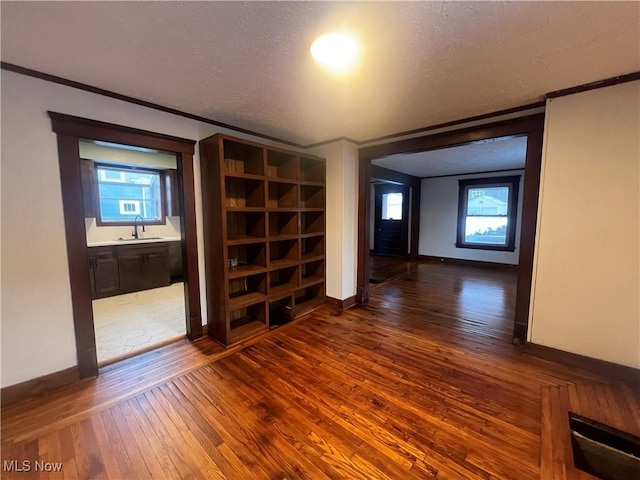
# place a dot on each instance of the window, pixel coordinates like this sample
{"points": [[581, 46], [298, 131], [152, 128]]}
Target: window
{"points": [[487, 213], [392, 206], [125, 192]]}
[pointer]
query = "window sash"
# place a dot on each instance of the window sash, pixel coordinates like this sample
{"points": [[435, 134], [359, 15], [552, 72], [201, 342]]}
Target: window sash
{"points": [[150, 197], [497, 232]]}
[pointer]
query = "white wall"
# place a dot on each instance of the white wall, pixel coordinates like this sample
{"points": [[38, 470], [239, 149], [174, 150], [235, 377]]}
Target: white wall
{"points": [[586, 291], [37, 323], [341, 217], [439, 220]]}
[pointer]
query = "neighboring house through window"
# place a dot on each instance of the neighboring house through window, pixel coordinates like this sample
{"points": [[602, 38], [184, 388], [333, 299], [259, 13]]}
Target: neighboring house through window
{"points": [[487, 210]]}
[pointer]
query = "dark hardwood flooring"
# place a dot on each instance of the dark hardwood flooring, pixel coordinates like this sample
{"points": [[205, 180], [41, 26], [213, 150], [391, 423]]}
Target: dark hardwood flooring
{"points": [[404, 388], [465, 298], [382, 269]]}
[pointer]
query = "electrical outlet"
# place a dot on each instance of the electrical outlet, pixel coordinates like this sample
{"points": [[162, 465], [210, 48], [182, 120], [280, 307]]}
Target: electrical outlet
{"points": [[233, 262]]}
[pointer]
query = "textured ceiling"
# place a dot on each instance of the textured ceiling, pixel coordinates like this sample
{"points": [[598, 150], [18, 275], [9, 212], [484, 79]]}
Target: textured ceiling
{"points": [[485, 156], [248, 64]]}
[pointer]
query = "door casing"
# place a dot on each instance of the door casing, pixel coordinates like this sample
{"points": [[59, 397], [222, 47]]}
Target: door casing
{"points": [[69, 130], [532, 127]]}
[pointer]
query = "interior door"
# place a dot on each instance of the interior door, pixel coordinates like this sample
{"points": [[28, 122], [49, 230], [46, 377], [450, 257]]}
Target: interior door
{"points": [[391, 220]]}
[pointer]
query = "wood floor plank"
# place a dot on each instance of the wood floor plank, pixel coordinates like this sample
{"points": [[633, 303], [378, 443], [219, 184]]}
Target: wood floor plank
{"points": [[88, 456], [107, 428], [176, 434], [141, 460], [153, 435]]}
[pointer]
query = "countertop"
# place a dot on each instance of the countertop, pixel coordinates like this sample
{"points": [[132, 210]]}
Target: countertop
{"points": [[106, 243]]}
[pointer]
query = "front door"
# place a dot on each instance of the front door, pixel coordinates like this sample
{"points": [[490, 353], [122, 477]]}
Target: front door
{"points": [[391, 220]]}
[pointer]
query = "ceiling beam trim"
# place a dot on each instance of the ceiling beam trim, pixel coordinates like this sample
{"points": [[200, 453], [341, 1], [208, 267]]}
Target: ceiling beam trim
{"points": [[607, 82]]}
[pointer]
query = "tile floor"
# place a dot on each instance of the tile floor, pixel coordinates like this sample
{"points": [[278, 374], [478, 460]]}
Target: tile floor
{"points": [[136, 321]]}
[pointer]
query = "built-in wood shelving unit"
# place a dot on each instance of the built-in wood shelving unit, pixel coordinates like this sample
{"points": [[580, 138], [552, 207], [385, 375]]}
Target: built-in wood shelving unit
{"points": [[264, 229]]}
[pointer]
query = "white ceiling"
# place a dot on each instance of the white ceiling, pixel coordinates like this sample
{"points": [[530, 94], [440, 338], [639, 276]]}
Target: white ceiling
{"points": [[484, 156], [248, 64]]}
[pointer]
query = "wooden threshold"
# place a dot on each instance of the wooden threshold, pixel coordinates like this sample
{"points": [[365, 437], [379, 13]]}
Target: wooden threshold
{"points": [[135, 353]]}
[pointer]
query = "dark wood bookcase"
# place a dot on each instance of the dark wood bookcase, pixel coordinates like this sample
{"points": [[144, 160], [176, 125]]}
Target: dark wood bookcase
{"points": [[264, 229]]}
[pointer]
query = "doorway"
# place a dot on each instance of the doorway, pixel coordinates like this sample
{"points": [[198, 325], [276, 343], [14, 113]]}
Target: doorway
{"points": [[530, 127], [391, 222], [132, 220], [82, 267]]}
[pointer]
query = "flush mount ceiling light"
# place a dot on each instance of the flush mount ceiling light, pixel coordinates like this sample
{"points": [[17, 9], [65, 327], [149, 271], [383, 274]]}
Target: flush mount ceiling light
{"points": [[336, 51]]}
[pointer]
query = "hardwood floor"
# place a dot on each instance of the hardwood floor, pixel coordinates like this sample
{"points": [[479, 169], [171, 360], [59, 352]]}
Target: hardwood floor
{"points": [[465, 298], [382, 269], [404, 388]]}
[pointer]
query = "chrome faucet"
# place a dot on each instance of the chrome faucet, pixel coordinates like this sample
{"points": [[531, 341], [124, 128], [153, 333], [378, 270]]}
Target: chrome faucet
{"points": [[134, 234]]}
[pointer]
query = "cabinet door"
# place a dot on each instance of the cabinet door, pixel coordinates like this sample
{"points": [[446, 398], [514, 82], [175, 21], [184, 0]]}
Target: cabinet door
{"points": [[103, 269], [156, 267], [175, 260], [106, 276], [130, 266]]}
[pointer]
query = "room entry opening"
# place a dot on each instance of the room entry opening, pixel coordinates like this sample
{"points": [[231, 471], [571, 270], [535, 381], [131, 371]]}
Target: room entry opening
{"points": [[131, 204], [128, 202]]}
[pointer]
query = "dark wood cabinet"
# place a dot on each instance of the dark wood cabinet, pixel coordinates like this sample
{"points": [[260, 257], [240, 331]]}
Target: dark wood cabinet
{"points": [[172, 193], [119, 269], [143, 267], [175, 261], [103, 270], [155, 271], [264, 226], [130, 264], [88, 182]]}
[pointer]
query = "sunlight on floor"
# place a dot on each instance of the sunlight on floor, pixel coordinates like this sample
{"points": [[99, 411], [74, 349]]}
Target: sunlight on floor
{"points": [[136, 321]]}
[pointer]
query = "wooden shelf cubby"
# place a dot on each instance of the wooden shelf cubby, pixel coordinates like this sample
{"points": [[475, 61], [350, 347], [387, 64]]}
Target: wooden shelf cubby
{"points": [[264, 225], [311, 196], [312, 170], [312, 247], [282, 165], [283, 195], [245, 225], [242, 158], [312, 272], [283, 225], [312, 222], [249, 259], [244, 192], [247, 321], [308, 298], [280, 311]]}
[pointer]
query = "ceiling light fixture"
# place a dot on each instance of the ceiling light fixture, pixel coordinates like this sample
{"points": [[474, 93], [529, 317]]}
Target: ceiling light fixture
{"points": [[336, 51]]}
